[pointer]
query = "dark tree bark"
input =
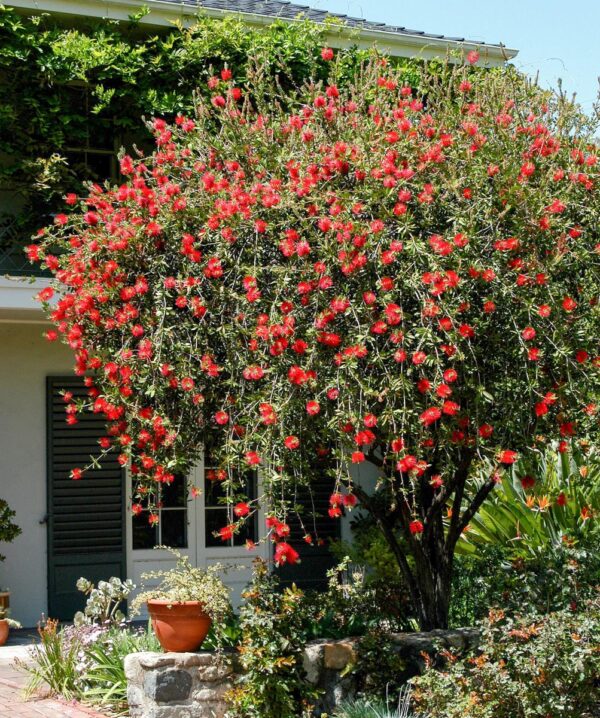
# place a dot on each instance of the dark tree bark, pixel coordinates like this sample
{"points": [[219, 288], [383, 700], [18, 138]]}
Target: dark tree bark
{"points": [[426, 560]]}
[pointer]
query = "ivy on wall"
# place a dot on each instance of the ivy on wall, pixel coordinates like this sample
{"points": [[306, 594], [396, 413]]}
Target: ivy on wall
{"points": [[70, 95]]}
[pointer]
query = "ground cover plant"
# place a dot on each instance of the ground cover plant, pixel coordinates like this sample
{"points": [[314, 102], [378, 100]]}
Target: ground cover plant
{"points": [[371, 274], [541, 666]]}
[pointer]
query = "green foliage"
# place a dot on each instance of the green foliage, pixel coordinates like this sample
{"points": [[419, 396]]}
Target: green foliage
{"points": [[85, 662], [75, 87], [544, 666], [103, 603], [8, 530], [526, 551], [54, 663], [105, 680], [367, 708], [547, 498], [273, 637]]}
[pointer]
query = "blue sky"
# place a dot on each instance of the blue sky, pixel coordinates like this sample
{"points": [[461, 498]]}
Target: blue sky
{"points": [[558, 38]]}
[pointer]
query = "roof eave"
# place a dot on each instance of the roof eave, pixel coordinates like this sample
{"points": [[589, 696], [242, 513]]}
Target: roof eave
{"points": [[164, 13]]}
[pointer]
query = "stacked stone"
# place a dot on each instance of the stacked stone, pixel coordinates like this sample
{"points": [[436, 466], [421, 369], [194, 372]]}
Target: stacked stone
{"points": [[177, 685]]}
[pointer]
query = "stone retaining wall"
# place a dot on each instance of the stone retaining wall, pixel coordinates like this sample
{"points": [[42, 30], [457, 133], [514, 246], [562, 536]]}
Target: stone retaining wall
{"points": [[177, 685], [329, 664], [193, 685]]}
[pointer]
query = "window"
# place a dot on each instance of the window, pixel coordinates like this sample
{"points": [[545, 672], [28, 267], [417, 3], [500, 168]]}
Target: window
{"points": [[92, 153], [171, 529], [218, 514]]}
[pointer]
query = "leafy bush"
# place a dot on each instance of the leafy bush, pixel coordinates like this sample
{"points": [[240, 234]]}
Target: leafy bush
{"points": [[375, 274], [544, 666], [273, 624], [8, 530]]}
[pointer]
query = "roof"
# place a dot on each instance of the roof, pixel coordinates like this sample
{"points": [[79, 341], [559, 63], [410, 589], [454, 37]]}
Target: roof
{"points": [[291, 11], [390, 39]]}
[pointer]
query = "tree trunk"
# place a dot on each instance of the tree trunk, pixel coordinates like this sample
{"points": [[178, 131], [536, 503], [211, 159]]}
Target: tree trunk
{"points": [[432, 599]]}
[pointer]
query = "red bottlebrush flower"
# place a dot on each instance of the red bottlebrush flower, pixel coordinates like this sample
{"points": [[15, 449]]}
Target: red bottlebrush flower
{"points": [[221, 418], [71, 199], [450, 375], [285, 554], [333, 394], [313, 408], [226, 74], [443, 391], [291, 442], [528, 333], [76, 474], [507, 457], [45, 294], [241, 509], [350, 501], [486, 431], [357, 457], [252, 458], [416, 527], [450, 408], [253, 373], [472, 57], [226, 533], [327, 54], [51, 335], [581, 356], [527, 482], [541, 408], [569, 304], [90, 218], [561, 499], [370, 420], [466, 331], [430, 416], [418, 357]]}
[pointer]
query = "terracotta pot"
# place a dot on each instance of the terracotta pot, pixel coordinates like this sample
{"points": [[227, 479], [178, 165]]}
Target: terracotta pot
{"points": [[179, 627], [4, 631]]}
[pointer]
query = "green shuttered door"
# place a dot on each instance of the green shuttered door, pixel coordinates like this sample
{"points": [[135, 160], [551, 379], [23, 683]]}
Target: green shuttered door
{"points": [[86, 529]]}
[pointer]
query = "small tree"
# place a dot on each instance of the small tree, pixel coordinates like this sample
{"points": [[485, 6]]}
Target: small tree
{"points": [[380, 275]]}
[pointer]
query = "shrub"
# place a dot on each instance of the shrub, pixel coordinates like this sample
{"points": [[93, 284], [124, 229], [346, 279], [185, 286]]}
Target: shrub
{"points": [[366, 274], [8, 530], [273, 625], [544, 666]]}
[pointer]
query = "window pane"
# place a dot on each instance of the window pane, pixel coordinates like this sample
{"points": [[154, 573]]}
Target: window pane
{"points": [[247, 531], [144, 535], [215, 520], [174, 494], [213, 490], [174, 528]]}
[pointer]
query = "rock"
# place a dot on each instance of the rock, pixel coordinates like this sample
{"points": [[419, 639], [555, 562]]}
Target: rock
{"points": [[168, 686]]}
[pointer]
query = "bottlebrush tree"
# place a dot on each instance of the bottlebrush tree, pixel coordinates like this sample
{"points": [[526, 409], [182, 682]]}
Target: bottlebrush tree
{"points": [[406, 278]]}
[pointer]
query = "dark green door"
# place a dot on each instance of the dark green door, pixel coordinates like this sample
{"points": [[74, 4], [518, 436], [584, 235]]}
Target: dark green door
{"points": [[315, 559], [86, 518]]}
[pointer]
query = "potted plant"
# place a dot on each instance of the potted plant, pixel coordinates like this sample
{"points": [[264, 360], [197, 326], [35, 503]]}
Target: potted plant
{"points": [[184, 604], [6, 624], [8, 532]]}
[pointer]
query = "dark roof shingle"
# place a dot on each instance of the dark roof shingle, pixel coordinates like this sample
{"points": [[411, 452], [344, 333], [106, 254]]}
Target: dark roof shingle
{"points": [[289, 10]]}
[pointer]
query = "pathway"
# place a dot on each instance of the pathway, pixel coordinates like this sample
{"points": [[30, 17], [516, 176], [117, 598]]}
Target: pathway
{"points": [[12, 682]]}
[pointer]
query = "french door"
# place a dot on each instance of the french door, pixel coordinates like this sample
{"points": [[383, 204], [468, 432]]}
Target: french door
{"points": [[189, 525]]}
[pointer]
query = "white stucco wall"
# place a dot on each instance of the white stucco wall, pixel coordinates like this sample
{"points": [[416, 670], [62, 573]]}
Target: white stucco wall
{"points": [[26, 359]]}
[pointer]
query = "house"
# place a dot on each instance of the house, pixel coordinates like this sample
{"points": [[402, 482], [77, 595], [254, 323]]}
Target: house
{"points": [[73, 529]]}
